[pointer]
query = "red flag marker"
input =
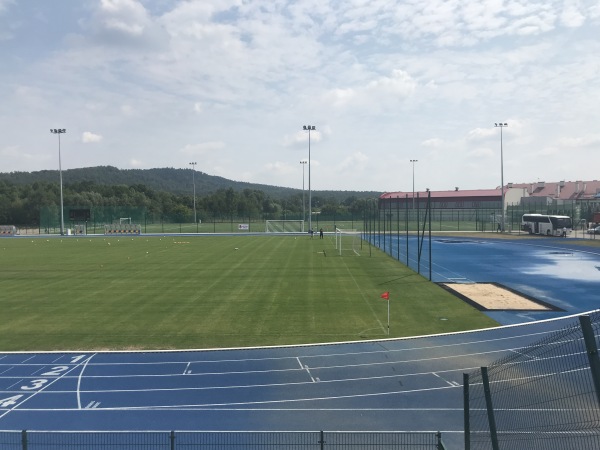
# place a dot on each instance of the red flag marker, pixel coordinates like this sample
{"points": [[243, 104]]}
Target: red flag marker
{"points": [[385, 295]]}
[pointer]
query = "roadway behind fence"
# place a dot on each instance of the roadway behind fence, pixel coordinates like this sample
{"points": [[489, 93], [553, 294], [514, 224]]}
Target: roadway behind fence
{"points": [[545, 396], [318, 440]]}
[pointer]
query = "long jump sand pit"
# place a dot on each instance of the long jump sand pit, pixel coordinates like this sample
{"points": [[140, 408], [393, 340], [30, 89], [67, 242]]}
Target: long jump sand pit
{"points": [[494, 297]]}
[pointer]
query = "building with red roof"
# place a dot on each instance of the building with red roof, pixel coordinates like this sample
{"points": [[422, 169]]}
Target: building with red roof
{"points": [[555, 193], [580, 199]]}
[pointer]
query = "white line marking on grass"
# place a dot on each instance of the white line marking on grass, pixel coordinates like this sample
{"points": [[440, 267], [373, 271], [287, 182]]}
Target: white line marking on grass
{"points": [[383, 329]]}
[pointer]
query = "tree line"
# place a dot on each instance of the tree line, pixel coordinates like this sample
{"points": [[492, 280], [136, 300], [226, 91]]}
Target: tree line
{"points": [[20, 204]]}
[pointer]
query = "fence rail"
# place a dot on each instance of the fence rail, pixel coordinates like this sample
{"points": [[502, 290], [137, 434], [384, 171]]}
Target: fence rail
{"points": [[211, 440]]}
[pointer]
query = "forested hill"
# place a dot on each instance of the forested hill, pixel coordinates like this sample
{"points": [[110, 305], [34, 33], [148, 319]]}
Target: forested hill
{"points": [[175, 181]]}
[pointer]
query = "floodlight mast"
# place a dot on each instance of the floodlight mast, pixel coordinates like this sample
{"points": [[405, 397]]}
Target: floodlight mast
{"points": [[309, 128], [60, 131], [193, 164], [501, 125], [413, 161], [303, 162]]}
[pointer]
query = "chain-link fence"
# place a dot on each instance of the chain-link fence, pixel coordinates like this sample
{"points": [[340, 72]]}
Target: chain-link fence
{"points": [[385, 217], [540, 397], [131, 440]]}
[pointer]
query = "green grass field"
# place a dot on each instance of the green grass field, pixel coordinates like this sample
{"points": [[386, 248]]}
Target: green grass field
{"points": [[171, 292]]}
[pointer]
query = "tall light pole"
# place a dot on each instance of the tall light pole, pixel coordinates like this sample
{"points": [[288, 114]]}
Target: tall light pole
{"points": [[309, 128], [60, 131], [193, 164], [303, 162], [501, 125], [413, 161]]}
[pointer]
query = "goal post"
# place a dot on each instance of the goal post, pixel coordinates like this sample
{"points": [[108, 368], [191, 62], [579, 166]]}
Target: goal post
{"points": [[348, 242], [284, 226]]}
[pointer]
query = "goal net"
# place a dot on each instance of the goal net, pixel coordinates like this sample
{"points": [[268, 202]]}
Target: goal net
{"points": [[285, 226], [348, 242]]}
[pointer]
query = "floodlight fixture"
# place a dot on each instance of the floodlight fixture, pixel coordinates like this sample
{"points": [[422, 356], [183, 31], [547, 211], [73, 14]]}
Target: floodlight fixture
{"points": [[60, 131]]}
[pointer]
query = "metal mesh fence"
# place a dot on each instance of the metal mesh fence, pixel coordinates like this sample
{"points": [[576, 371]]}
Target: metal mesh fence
{"points": [[542, 396], [387, 217], [37, 440]]}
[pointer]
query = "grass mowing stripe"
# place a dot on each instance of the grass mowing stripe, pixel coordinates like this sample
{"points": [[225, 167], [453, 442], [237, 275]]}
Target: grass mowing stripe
{"points": [[174, 292]]}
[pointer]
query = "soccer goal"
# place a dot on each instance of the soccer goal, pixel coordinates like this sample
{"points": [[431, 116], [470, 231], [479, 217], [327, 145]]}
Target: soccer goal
{"points": [[348, 242], [285, 226]]}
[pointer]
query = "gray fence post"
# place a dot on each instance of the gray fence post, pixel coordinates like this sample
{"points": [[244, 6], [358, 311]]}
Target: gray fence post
{"points": [[592, 352], [172, 438], [440, 443], [466, 408], [490, 408], [322, 440], [24, 439]]}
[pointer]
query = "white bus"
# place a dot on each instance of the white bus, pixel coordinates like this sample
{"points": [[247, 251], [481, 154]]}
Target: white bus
{"points": [[548, 225]]}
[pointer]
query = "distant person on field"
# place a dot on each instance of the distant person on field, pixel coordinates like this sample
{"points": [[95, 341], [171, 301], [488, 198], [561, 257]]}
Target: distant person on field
{"points": [[564, 232], [321, 233]]}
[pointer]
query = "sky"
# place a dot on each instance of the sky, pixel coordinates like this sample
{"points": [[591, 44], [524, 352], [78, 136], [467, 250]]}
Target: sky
{"points": [[230, 84]]}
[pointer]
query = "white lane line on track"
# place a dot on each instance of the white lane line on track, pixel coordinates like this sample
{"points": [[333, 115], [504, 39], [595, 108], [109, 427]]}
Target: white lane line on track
{"points": [[85, 363], [254, 386], [335, 355], [290, 400], [191, 408], [261, 402], [14, 384], [42, 389], [451, 383], [185, 371], [305, 367], [323, 367]]}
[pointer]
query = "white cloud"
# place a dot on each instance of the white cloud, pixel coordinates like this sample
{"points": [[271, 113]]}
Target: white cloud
{"points": [[4, 4], [301, 137], [581, 141], [234, 81], [433, 143], [354, 162], [202, 148], [481, 152], [571, 16], [127, 110], [88, 137], [479, 134], [124, 16]]}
